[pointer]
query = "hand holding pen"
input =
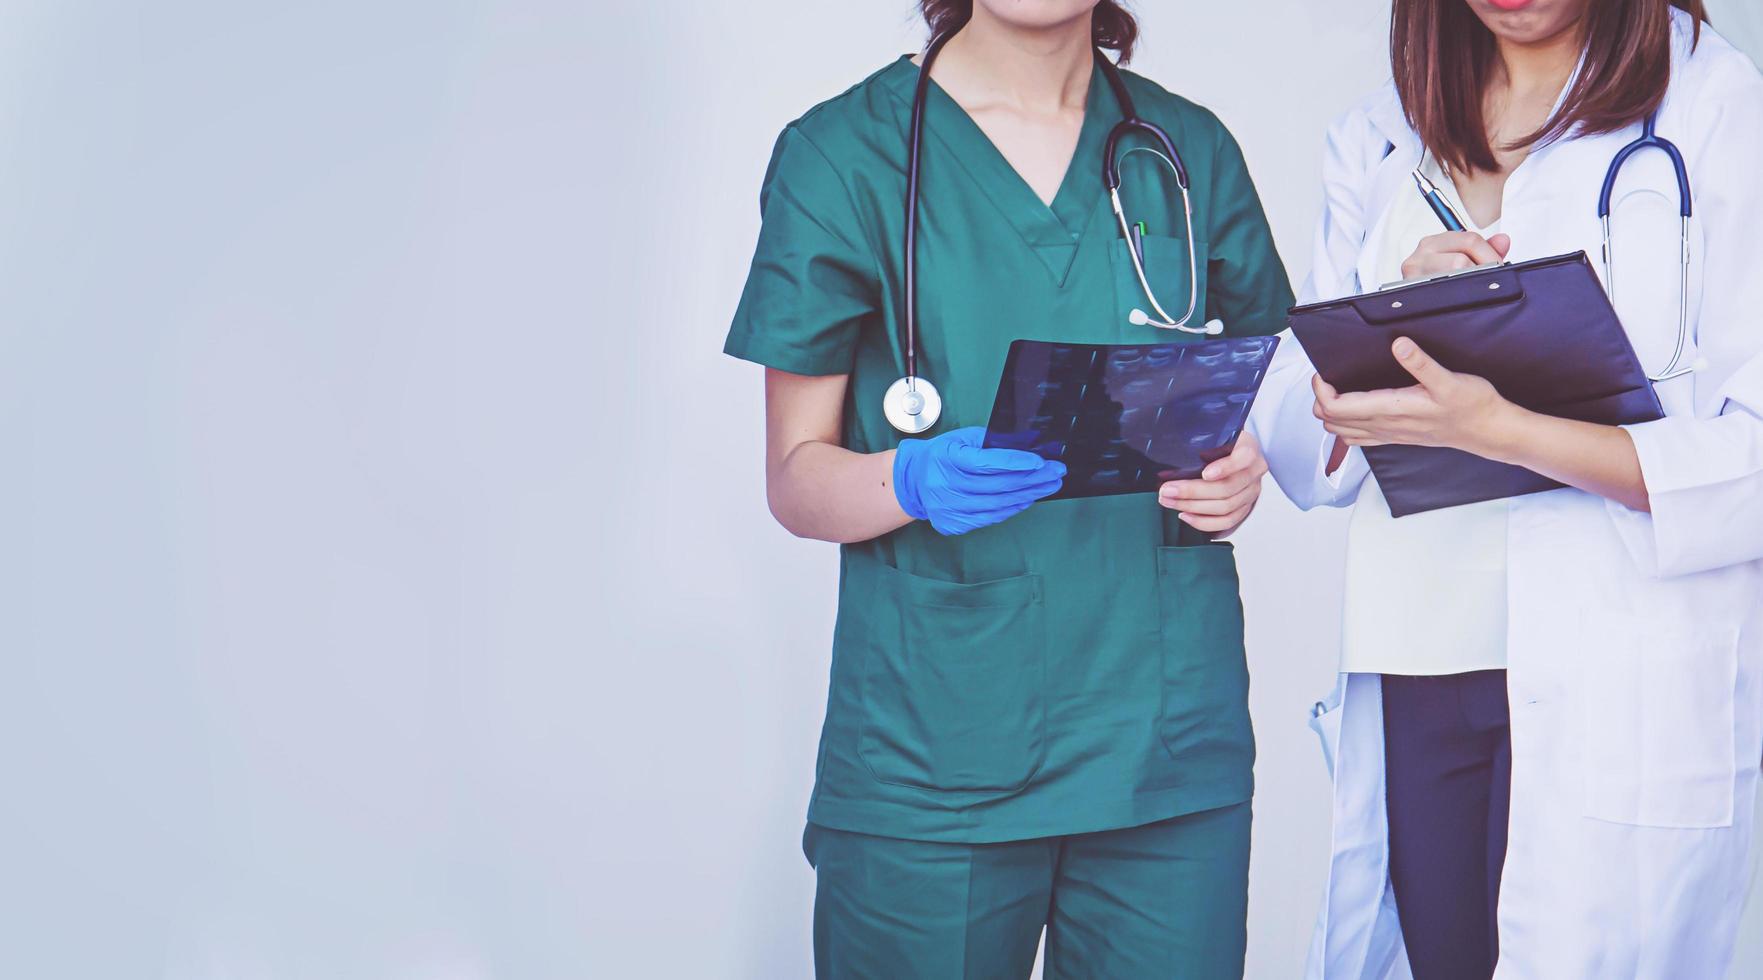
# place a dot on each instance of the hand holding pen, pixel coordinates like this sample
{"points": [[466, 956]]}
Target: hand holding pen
{"points": [[1456, 248]]}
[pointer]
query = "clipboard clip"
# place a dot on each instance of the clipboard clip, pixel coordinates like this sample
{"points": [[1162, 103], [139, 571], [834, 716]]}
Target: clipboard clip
{"points": [[1417, 280], [1494, 284]]}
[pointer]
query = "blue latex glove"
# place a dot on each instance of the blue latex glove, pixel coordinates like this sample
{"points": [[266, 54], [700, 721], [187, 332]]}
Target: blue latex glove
{"points": [[959, 486]]}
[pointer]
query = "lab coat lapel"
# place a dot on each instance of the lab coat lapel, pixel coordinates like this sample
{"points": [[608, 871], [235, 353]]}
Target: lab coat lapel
{"points": [[1387, 180]]}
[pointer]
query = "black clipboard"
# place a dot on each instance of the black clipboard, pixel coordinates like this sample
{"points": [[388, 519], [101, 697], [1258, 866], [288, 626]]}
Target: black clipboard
{"points": [[1542, 332], [1125, 418]]}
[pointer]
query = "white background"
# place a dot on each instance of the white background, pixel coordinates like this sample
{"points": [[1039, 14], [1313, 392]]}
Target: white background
{"points": [[386, 586]]}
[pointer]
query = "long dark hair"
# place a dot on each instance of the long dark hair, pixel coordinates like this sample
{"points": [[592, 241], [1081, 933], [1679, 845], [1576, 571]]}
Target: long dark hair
{"points": [[1442, 56], [1112, 26]]}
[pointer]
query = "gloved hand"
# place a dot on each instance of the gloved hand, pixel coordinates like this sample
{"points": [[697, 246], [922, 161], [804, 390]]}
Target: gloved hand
{"points": [[959, 486]]}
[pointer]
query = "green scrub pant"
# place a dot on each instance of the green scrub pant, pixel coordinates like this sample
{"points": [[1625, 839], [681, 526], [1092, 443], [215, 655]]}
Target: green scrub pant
{"points": [[1168, 899]]}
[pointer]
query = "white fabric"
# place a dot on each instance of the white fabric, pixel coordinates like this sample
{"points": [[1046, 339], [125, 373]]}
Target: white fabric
{"points": [[1634, 640], [1426, 593]]}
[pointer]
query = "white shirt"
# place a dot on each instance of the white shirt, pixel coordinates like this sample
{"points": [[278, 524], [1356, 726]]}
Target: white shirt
{"points": [[1426, 593]]}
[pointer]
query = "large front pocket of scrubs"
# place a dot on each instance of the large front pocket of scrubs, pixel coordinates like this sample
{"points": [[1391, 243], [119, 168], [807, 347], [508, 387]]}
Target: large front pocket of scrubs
{"points": [[1657, 715], [1166, 269], [1205, 713], [954, 683]]}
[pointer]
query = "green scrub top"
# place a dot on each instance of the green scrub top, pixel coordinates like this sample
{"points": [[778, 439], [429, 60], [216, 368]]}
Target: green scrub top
{"points": [[1078, 667]]}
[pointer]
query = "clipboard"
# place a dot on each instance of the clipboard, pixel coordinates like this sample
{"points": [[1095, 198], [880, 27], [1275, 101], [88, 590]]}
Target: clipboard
{"points": [[1542, 332], [1126, 418]]}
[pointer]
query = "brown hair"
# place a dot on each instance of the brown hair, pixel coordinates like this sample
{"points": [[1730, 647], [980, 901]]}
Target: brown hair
{"points": [[1112, 26], [1442, 56]]}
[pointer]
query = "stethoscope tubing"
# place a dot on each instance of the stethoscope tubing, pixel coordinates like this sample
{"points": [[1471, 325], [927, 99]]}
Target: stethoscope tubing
{"points": [[1129, 124], [914, 147], [1650, 139]]}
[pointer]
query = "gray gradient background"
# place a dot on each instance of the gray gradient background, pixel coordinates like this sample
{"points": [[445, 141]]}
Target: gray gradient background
{"points": [[386, 585]]}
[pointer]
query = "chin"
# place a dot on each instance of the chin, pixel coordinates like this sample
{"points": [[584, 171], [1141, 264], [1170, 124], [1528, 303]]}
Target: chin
{"points": [[1035, 14], [1527, 21]]}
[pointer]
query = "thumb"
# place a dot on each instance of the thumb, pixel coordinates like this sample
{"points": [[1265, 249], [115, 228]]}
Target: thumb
{"points": [[1242, 456], [1431, 375], [1502, 244]]}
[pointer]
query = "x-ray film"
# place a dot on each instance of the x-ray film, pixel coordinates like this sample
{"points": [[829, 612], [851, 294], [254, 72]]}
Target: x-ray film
{"points": [[1125, 418]]}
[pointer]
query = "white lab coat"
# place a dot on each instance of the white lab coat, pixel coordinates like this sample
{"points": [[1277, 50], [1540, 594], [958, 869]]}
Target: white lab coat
{"points": [[1635, 641]]}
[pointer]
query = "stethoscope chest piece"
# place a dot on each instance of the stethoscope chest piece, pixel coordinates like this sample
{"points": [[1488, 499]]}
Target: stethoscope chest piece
{"points": [[912, 405]]}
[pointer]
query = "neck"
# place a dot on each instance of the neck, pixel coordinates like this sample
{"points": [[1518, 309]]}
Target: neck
{"points": [[1035, 69], [1540, 68]]}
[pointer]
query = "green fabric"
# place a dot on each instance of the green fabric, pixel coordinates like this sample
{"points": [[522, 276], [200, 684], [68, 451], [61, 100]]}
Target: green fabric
{"points": [[1169, 899], [1078, 667]]}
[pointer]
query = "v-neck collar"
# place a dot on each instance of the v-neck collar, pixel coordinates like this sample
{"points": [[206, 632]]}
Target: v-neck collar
{"points": [[1052, 231]]}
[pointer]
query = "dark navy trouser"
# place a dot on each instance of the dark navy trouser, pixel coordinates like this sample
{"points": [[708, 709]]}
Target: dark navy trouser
{"points": [[1448, 778]]}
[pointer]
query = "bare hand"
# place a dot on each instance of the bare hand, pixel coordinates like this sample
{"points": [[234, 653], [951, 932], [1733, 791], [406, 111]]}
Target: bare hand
{"points": [[1226, 492], [1461, 411], [1454, 251]]}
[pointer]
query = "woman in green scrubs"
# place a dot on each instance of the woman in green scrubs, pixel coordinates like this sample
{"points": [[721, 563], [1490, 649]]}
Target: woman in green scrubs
{"points": [[1041, 722]]}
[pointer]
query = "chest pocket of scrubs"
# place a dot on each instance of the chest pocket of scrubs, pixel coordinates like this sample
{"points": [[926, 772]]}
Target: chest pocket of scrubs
{"points": [[1658, 721], [1166, 266], [954, 683], [1205, 713]]}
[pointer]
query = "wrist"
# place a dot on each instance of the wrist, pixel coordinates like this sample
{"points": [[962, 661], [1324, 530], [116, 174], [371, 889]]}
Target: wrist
{"points": [[906, 461], [1506, 434]]}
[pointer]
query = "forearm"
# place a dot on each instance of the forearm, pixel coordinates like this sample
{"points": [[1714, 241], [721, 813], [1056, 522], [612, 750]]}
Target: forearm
{"points": [[822, 491], [1598, 459]]}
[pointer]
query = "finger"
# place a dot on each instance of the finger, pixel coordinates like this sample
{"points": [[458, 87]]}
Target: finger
{"points": [[1212, 525], [1432, 375], [1050, 478], [1214, 508], [997, 495], [952, 524], [1218, 489], [1502, 244], [1480, 252], [1020, 499], [1045, 487], [1350, 436], [1345, 430], [976, 460], [1384, 403], [1448, 252], [1465, 243], [1326, 395], [997, 484]]}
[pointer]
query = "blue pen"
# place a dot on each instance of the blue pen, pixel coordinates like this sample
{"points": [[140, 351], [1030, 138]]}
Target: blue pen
{"points": [[1436, 201]]}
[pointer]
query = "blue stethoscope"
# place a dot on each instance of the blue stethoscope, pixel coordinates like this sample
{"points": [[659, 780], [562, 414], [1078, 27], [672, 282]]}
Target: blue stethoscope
{"points": [[1651, 139], [912, 404]]}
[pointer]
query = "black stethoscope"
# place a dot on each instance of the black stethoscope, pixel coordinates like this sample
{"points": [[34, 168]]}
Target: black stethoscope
{"points": [[912, 404]]}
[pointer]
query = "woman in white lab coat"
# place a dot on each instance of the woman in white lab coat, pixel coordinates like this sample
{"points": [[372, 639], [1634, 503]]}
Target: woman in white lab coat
{"points": [[1626, 612]]}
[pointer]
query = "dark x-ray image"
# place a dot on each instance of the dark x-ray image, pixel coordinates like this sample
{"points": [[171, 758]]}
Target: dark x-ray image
{"points": [[1125, 418]]}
